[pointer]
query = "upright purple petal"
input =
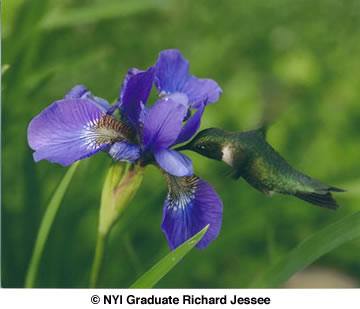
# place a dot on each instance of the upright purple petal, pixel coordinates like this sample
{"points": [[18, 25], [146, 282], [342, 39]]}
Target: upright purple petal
{"points": [[81, 92], [172, 71], [135, 92], [174, 162], [191, 204], [72, 129], [163, 123], [124, 151], [191, 126], [172, 75]]}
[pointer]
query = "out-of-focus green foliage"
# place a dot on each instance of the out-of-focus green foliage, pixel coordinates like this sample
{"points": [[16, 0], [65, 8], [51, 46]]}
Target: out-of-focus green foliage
{"points": [[296, 62]]}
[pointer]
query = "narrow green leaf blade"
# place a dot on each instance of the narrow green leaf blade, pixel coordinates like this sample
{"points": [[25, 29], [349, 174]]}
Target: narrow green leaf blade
{"points": [[312, 248], [46, 225], [98, 12], [167, 263]]}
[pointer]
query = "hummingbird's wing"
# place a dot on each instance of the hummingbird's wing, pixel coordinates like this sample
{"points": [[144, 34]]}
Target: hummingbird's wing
{"points": [[274, 102]]}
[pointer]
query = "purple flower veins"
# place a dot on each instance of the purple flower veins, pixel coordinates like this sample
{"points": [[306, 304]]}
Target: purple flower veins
{"points": [[80, 125]]}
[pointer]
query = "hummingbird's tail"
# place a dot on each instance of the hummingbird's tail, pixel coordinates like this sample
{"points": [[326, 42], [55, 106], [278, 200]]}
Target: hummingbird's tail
{"points": [[322, 198]]}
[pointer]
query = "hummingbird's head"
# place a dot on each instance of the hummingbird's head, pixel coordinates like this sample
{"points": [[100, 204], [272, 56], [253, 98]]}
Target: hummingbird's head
{"points": [[208, 142]]}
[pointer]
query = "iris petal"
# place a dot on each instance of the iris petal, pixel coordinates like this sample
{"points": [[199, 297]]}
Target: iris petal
{"points": [[172, 75], [174, 162], [172, 71], [200, 90], [81, 92], [135, 92], [77, 92], [72, 129], [163, 123], [191, 204], [124, 151], [191, 126]]}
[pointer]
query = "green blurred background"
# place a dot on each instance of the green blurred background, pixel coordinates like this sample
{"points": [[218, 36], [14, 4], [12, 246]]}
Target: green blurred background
{"points": [[295, 61]]}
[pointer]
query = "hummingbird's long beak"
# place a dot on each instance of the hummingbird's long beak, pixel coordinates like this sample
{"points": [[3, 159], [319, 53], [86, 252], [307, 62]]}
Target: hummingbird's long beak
{"points": [[183, 147]]}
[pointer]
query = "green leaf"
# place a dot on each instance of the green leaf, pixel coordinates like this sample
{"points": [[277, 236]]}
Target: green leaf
{"points": [[312, 248], [167, 263], [46, 225], [98, 12]]}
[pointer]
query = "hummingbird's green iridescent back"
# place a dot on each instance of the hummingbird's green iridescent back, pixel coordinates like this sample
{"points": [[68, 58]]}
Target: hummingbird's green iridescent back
{"points": [[263, 167]]}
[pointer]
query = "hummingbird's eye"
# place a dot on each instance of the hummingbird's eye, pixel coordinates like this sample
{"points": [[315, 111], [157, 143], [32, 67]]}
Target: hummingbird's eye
{"points": [[202, 147]]}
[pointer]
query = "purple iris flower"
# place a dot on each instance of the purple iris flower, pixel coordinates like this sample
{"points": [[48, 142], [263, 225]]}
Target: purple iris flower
{"points": [[81, 125], [172, 76]]}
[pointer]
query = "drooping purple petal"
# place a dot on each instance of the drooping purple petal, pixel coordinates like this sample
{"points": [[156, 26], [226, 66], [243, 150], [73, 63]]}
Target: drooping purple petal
{"points": [[135, 92], [174, 162], [162, 124], [191, 126], [81, 92], [191, 204], [124, 151], [72, 129], [172, 75]]}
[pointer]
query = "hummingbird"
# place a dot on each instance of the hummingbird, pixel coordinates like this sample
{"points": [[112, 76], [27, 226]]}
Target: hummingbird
{"points": [[251, 157]]}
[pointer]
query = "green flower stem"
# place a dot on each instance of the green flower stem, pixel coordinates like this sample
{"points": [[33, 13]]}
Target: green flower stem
{"points": [[46, 225], [121, 183], [98, 259]]}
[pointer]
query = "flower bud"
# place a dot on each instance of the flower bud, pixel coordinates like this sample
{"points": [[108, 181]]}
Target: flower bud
{"points": [[121, 183]]}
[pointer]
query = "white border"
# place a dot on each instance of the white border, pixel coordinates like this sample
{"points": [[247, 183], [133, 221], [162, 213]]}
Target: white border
{"points": [[81, 298]]}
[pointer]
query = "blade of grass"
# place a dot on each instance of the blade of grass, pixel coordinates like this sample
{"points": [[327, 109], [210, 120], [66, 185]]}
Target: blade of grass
{"points": [[46, 225], [167, 263], [310, 250], [98, 12]]}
